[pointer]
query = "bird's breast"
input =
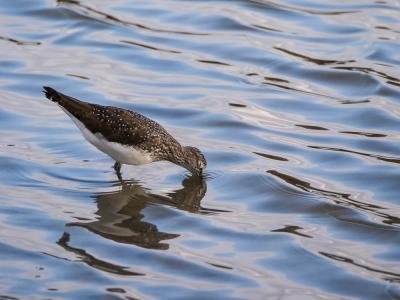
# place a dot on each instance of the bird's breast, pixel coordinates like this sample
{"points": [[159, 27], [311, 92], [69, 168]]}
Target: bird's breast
{"points": [[122, 153]]}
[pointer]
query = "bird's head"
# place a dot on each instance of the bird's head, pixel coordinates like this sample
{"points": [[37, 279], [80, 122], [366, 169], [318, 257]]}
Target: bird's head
{"points": [[194, 160]]}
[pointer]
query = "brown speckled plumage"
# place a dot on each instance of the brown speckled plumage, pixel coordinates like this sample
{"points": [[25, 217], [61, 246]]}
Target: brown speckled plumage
{"points": [[131, 129]]}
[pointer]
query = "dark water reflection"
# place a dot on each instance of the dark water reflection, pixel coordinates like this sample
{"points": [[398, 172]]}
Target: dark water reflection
{"points": [[120, 213], [295, 104]]}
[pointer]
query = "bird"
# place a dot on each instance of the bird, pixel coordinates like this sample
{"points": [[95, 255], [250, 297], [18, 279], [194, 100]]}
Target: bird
{"points": [[127, 136]]}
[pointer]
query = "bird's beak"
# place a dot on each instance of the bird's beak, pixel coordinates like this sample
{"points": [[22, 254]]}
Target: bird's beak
{"points": [[197, 173], [200, 173]]}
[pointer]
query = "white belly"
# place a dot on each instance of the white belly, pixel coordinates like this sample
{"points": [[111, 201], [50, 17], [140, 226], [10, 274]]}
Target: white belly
{"points": [[120, 153]]}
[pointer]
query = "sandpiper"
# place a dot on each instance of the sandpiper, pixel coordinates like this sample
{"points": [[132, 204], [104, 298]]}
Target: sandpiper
{"points": [[127, 136]]}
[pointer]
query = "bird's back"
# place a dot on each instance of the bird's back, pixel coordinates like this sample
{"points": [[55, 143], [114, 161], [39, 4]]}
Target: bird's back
{"points": [[118, 125]]}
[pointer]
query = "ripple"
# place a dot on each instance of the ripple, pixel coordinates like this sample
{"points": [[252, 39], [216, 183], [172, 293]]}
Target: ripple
{"points": [[295, 105]]}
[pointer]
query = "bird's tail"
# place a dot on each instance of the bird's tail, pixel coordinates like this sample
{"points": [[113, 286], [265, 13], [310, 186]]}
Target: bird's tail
{"points": [[74, 106], [52, 94]]}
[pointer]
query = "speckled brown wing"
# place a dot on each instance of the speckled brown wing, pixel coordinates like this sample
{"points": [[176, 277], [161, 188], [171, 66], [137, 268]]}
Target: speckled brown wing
{"points": [[116, 124]]}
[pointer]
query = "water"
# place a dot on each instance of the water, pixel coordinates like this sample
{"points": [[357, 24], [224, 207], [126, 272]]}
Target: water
{"points": [[295, 105]]}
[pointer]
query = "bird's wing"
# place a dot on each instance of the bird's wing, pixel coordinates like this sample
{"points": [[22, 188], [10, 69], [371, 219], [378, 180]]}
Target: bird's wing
{"points": [[115, 124]]}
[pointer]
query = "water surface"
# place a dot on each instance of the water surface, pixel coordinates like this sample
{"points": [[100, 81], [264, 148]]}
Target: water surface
{"points": [[295, 105]]}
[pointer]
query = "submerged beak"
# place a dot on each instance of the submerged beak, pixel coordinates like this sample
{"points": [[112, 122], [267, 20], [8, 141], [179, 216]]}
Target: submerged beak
{"points": [[200, 173], [196, 172]]}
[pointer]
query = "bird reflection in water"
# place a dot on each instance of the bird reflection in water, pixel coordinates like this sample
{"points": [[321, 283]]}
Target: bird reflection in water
{"points": [[121, 212]]}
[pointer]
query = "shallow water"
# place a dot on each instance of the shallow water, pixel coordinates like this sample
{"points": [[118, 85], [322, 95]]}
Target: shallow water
{"points": [[295, 105]]}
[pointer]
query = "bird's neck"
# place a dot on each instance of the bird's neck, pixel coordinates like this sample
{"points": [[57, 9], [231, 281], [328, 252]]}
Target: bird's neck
{"points": [[178, 155]]}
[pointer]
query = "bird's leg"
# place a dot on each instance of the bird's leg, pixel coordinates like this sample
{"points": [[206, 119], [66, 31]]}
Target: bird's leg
{"points": [[117, 168]]}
